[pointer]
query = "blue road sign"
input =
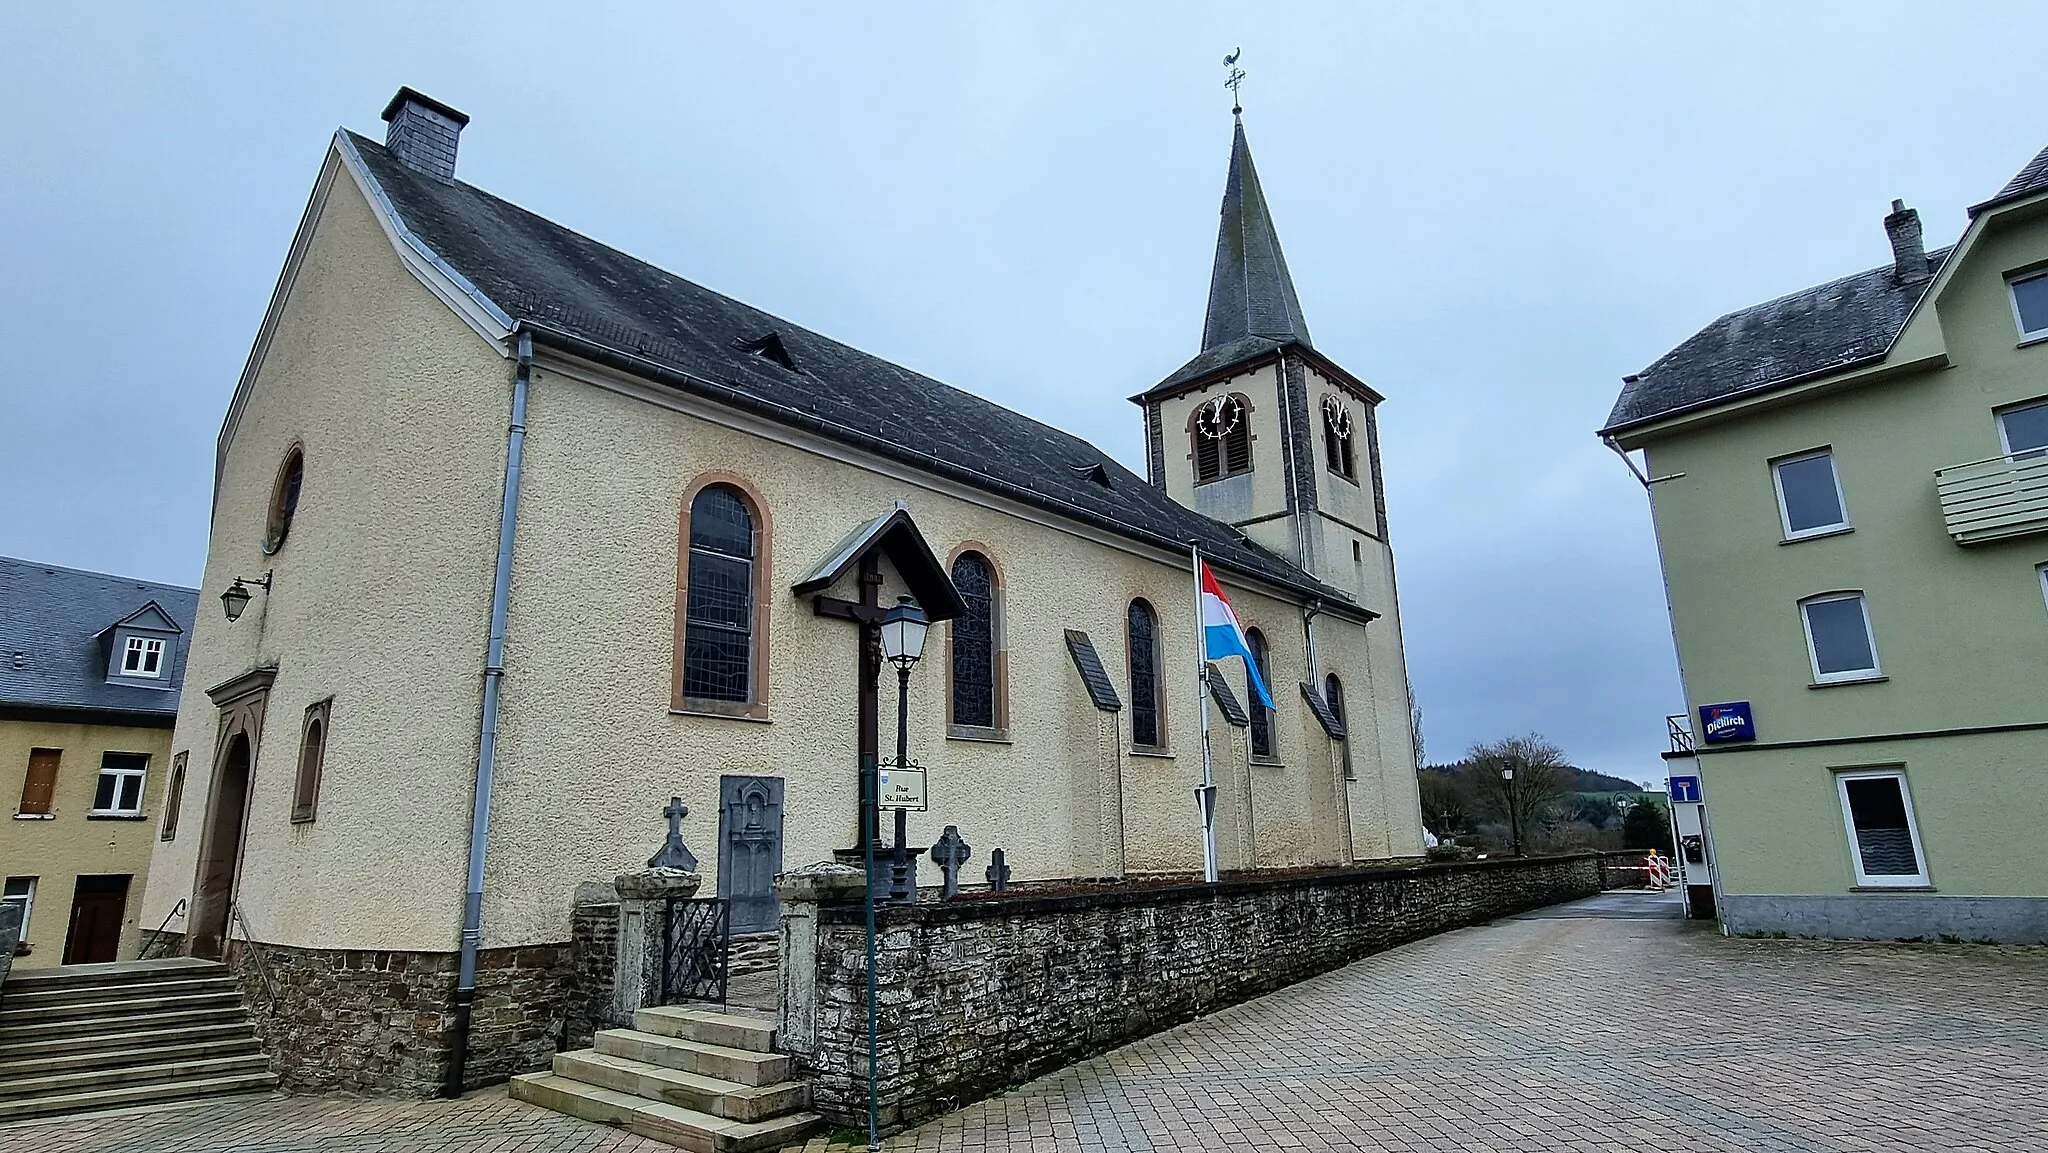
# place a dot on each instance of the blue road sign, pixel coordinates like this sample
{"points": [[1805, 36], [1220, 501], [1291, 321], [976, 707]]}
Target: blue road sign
{"points": [[1685, 789]]}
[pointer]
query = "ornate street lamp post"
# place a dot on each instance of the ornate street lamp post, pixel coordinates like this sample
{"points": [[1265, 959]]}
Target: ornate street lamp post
{"points": [[1507, 776], [903, 632]]}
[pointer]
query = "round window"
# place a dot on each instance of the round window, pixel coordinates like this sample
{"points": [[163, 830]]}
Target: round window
{"points": [[284, 500]]}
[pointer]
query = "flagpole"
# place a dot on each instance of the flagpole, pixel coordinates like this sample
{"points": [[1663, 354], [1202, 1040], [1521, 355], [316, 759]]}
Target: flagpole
{"points": [[1205, 795]]}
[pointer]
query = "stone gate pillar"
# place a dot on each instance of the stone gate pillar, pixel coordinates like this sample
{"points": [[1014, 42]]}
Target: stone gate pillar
{"points": [[802, 891], [643, 900]]}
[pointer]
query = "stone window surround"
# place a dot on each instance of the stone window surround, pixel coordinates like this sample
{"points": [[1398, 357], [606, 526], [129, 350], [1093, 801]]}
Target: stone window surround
{"points": [[756, 707], [1000, 732], [1164, 748], [174, 797], [312, 761], [278, 519]]}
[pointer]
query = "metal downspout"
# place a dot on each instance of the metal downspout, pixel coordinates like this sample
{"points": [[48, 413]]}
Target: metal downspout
{"points": [[487, 744]]}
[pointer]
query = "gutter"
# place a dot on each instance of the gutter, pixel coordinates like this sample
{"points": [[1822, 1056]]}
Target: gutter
{"points": [[643, 366], [487, 742]]}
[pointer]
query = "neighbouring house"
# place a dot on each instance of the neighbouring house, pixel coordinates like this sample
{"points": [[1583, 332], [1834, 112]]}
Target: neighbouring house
{"points": [[518, 536], [1850, 488], [90, 669]]}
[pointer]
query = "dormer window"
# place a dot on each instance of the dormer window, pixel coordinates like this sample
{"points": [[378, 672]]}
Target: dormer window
{"points": [[143, 657], [1222, 439], [1337, 450]]}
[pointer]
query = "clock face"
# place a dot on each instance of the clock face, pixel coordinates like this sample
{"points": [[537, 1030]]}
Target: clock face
{"points": [[1220, 417], [1339, 415]]}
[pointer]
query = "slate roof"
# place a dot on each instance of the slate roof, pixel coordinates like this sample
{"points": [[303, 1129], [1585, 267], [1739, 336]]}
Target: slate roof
{"points": [[573, 289], [1832, 326], [2027, 181], [1250, 292], [51, 652]]}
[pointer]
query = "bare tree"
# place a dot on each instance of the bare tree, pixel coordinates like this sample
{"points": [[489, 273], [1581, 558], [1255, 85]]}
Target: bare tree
{"points": [[1415, 726], [1446, 804], [1532, 800]]}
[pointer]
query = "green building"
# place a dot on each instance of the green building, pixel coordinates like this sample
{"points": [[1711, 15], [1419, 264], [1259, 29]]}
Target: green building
{"points": [[1850, 489]]}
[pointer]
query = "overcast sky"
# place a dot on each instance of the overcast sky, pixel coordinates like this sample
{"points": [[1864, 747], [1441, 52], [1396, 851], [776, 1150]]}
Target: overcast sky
{"points": [[1491, 212]]}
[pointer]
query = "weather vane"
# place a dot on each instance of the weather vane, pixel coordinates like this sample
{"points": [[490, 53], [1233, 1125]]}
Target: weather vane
{"points": [[1233, 76]]}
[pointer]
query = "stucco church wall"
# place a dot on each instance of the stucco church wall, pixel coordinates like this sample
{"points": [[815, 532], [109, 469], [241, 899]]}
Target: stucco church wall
{"points": [[590, 656], [380, 598]]}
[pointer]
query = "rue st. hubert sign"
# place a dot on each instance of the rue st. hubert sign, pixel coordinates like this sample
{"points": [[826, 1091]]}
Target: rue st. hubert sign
{"points": [[901, 788]]}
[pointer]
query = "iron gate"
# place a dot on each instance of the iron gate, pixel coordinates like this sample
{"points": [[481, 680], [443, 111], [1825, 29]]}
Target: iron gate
{"points": [[696, 935]]}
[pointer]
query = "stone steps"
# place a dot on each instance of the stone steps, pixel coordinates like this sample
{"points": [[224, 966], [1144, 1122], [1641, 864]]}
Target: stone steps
{"points": [[21, 1109], [57, 1057], [673, 1124], [694, 1078], [85, 1037], [112, 1047]]}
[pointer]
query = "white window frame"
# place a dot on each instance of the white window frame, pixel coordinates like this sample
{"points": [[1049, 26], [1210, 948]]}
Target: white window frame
{"points": [[146, 647], [2042, 571], [1919, 880], [2013, 298], [1876, 669], [1785, 513], [141, 788], [27, 899], [1998, 416]]}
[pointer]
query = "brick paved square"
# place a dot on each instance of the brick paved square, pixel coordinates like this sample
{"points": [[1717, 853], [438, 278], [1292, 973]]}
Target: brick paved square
{"points": [[1605, 1025]]}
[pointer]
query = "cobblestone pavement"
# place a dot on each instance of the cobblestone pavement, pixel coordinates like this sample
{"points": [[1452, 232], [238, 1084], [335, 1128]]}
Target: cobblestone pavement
{"points": [[1604, 1025]]}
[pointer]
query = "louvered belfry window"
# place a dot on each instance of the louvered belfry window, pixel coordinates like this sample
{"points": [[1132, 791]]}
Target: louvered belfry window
{"points": [[974, 643], [1143, 627], [1222, 439], [1261, 716], [718, 631]]}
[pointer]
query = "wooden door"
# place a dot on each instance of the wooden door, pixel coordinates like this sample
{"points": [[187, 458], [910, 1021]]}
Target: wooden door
{"points": [[98, 906]]}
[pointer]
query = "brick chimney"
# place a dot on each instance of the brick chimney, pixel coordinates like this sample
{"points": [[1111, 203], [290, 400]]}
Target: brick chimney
{"points": [[424, 132], [1909, 256]]}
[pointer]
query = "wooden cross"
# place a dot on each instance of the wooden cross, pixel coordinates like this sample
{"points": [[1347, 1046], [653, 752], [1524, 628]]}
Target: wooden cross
{"points": [[998, 872], [867, 613], [674, 854], [950, 853]]}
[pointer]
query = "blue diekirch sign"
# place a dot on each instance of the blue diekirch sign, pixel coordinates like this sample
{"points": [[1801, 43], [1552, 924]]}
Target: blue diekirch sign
{"points": [[1720, 724]]}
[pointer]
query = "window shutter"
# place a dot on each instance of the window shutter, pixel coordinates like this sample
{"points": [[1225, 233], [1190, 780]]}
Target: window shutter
{"points": [[1237, 448], [37, 792], [1208, 458]]}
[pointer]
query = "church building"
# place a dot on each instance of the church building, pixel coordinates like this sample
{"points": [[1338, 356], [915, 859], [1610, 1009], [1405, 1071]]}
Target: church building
{"points": [[514, 537]]}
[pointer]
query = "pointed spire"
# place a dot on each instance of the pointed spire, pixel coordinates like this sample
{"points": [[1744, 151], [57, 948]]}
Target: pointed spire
{"points": [[1250, 293]]}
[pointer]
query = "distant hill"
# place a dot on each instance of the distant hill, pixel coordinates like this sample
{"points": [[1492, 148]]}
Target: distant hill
{"points": [[1582, 780]]}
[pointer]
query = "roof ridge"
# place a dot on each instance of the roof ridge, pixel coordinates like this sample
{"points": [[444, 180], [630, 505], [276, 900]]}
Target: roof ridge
{"points": [[115, 578]]}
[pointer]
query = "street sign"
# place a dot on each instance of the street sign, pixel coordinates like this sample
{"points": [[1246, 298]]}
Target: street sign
{"points": [[902, 788], [1686, 790], [1723, 723]]}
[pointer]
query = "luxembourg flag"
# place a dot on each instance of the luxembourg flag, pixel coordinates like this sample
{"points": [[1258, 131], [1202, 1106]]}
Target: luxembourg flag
{"points": [[1222, 636]]}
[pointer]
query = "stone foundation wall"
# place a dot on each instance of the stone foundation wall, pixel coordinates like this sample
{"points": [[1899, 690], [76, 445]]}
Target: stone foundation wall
{"points": [[594, 952], [372, 1021], [753, 953], [977, 995]]}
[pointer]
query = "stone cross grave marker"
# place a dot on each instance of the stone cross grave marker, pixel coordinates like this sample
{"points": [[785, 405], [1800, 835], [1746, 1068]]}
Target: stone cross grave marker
{"points": [[949, 854], [998, 872], [674, 854]]}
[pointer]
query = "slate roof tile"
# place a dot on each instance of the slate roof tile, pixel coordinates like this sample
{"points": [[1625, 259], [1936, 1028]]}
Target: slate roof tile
{"points": [[53, 617], [534, 269], [1820, 329]]}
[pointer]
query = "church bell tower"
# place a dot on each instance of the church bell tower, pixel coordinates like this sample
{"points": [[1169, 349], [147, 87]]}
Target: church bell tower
{"points": [[1260, 430]]}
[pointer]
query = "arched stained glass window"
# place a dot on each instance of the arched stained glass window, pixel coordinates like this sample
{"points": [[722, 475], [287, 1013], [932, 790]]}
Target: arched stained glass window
{"points": [[718, 628], [1148, 728], [1262, 717], [974, 643]]}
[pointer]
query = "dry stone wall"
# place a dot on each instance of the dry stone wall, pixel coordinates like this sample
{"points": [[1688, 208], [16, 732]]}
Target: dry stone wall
{"points": [[380, 1021], [977, 995]]}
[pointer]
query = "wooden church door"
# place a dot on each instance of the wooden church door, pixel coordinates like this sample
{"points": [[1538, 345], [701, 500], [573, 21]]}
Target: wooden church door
{"points": [[750, 850]]}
